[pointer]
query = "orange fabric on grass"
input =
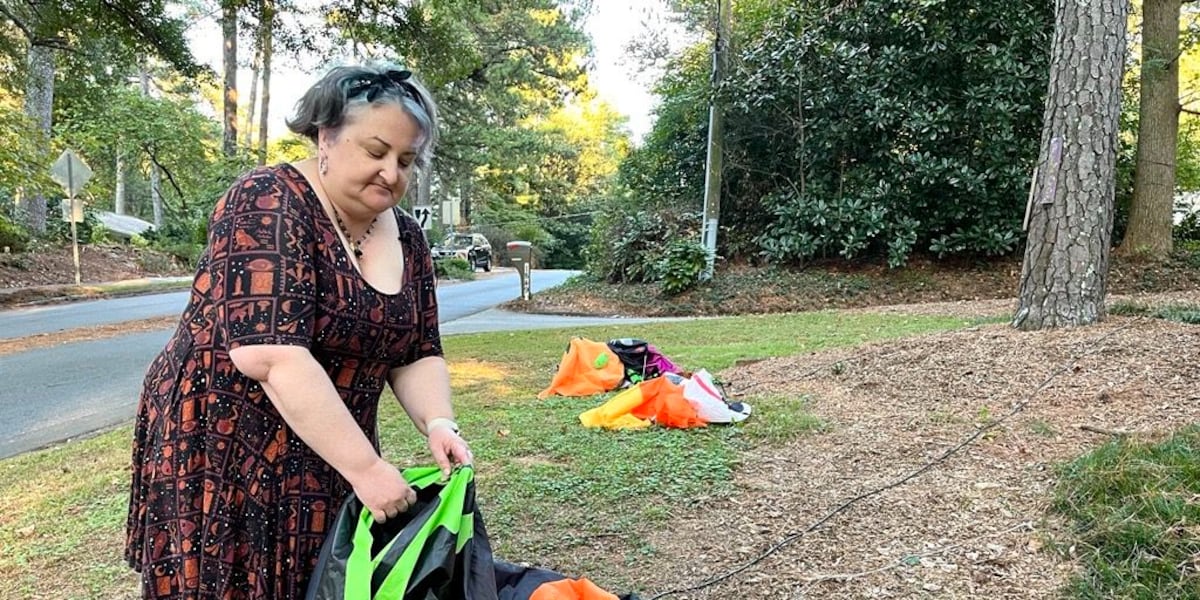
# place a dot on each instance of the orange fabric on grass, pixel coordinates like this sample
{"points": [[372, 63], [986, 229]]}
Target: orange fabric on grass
{"points": [[656, 399], [666, 405], [570, 589], [586, 368], [614, 414]]}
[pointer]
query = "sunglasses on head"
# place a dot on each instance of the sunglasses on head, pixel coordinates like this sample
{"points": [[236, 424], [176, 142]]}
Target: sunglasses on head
{"points": [[374, 85]]}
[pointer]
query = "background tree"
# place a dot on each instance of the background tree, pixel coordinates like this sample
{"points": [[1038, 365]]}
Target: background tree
{"points": [[48, 28], [229, 65], [1065, 271], [870, 130], [500, 71], [1150, 217]]}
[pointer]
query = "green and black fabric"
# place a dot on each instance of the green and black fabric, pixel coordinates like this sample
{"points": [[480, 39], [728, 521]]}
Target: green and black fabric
{"points": [[437, 550]]}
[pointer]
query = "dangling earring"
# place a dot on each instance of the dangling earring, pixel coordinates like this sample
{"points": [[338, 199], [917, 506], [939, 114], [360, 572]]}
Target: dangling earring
{"points": [[323, 164]]}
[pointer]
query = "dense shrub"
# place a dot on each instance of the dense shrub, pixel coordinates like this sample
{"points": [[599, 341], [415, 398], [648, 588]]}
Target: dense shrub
{"points": [[681, 265], [630, 247], [861, 129], [12, 236], [453, 268]]}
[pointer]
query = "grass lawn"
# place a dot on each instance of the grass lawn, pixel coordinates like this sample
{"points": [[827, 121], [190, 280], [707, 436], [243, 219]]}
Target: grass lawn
{"points": [[546, 485], [1135, 508]]}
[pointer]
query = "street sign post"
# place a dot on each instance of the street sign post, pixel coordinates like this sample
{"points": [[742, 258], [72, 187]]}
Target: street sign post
{"points": [[72, 173]]}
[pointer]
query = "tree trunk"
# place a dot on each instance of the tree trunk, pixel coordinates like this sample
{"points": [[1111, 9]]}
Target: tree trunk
{"points": [[1065, 272], [119, 195], [39, 106], [229, 37], [248, 125], [268, 33], [156, 201], [425, 185], [1150, 216]]}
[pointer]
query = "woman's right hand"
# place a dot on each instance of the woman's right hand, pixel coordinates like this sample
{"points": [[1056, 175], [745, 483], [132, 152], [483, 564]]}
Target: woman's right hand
{"points": [[383, 490]]}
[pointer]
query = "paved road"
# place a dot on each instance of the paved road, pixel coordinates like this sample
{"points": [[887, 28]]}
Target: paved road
{"points": [[456, 300], [21, 322], [55, 393]]}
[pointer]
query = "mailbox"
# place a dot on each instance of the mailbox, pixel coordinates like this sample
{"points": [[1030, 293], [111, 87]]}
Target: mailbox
{"points": [[521, 256]]}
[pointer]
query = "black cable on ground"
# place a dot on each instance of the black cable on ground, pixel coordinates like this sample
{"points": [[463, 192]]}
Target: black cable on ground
{"points": [[792, 537]]}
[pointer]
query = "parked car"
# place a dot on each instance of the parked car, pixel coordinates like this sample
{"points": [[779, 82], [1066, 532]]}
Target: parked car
{"points": [[471, 247]]}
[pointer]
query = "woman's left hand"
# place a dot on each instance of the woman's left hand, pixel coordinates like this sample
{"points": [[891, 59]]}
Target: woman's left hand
{"points": [[448, 448]]}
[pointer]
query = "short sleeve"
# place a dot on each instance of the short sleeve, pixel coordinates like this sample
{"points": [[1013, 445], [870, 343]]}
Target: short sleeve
{"points": [[261, 262], [427, 340]]}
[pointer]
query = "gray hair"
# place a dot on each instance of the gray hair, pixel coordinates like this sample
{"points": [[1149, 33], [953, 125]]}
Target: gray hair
{"points": [[328, 103]]}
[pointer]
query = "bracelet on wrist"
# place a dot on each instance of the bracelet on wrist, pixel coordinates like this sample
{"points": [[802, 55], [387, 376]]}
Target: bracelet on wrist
{"points": [[441, 422]]}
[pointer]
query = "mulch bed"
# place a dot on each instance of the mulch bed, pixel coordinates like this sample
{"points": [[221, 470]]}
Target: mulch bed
{"points": [[974, 525]]}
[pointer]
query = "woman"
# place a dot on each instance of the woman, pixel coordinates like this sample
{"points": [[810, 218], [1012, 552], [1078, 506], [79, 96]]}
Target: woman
{"points": [[259, 416]]}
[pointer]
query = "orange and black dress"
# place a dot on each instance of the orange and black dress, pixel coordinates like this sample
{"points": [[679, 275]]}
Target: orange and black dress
{"points": [[226, 501]]}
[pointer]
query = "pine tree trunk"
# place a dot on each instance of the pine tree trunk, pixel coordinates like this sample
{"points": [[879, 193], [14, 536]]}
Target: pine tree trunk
{"points": [[156, 200], [1070, 220], [1150, 216], [268, 34], [248, 125], [229, 38], [39, 106], [119, 195]]}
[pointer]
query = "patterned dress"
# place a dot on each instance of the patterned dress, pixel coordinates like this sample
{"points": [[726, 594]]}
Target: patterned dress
{"points": [[226, 500]]}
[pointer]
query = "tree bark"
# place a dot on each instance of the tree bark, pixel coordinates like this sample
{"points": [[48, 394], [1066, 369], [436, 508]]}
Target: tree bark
{"points": [[229, 28], [248, 125], [156, 199], [268, 34], [119, 195], [39, 106], [1150, 216], [1065, 272]]}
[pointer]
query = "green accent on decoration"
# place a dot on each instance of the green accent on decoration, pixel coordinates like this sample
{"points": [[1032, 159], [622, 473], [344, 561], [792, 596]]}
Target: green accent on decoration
{"points": [[448, 514]]}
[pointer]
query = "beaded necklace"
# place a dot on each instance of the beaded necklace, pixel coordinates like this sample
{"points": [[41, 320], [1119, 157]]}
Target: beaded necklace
{"points": [[355, 245]]}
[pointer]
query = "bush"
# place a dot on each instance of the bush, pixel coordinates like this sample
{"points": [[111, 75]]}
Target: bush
{"points": [[1188, 229], [629, 247], [98, 234], [155, 262], [453, 268], [12, 236], [184, 252], [681, 266]]}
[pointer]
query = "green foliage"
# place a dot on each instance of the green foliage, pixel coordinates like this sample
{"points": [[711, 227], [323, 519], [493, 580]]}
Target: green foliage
{"points": [[525, 142], [1188, 228], [99, 234], [453, 268], [681, 265], [630, 247], [23, 159], [665, 171], [12, 236], [865, 129], [1182, 313], [59, 231], [1134, 510], [167, 132]]}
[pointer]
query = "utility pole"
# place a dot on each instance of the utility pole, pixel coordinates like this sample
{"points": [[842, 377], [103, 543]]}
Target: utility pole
{"points": [[716, 140]]}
